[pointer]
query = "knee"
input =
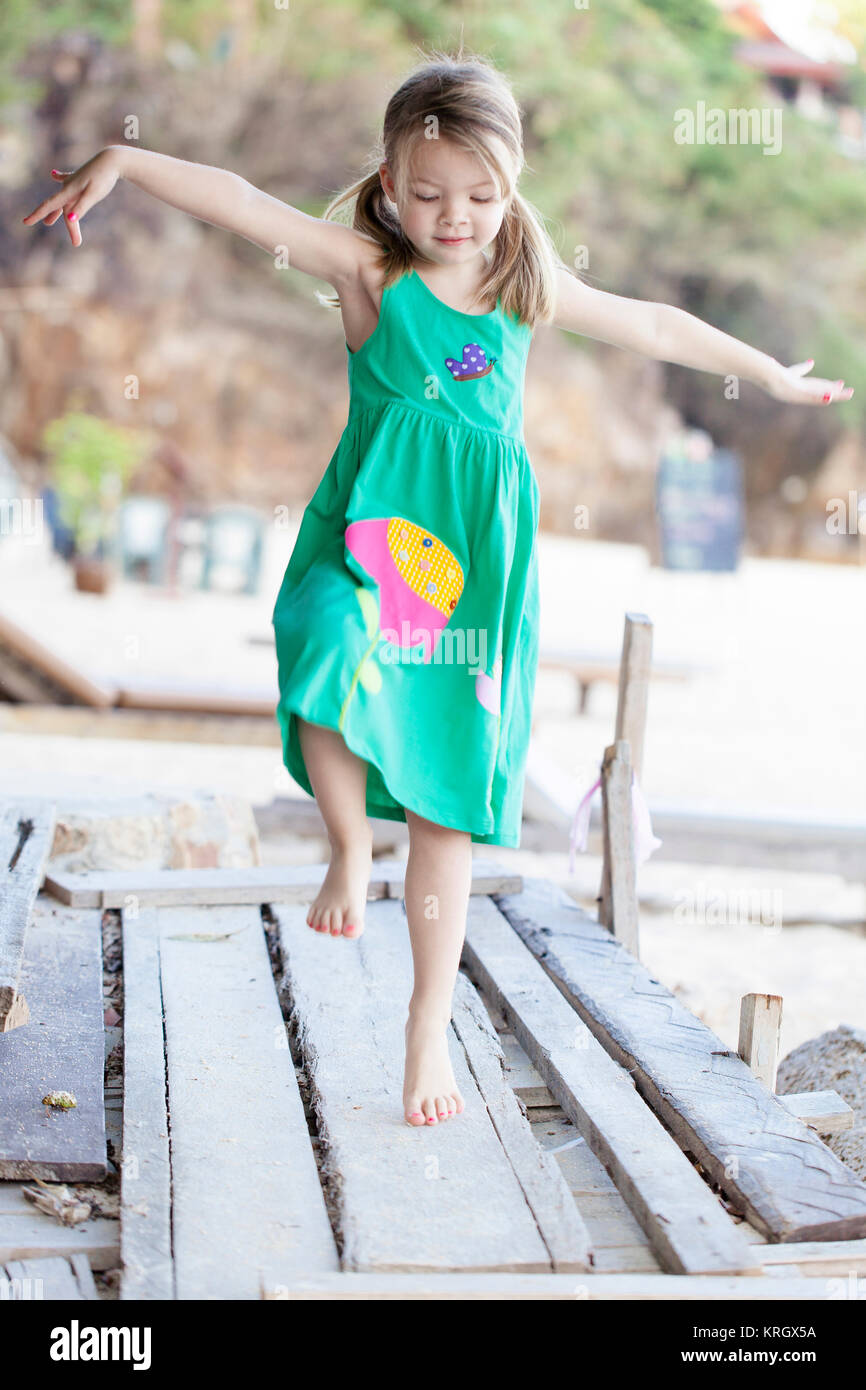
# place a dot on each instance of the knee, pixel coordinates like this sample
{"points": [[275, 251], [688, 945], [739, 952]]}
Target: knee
{"points": [[421, 829]]}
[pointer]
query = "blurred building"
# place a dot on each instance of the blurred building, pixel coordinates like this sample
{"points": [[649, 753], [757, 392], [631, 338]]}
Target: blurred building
{"points": [[803, 59]]}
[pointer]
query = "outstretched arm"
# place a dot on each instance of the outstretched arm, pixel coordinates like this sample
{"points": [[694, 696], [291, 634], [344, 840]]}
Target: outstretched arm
{"points": [[670, 334], [329, 251]]}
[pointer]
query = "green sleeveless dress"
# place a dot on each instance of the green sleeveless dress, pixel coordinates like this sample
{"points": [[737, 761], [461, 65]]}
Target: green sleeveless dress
{"points": [[407, 618]]}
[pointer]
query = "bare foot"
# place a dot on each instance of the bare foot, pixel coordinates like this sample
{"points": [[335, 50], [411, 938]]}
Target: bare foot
{"points": [[430, 1092], [339, 907]]}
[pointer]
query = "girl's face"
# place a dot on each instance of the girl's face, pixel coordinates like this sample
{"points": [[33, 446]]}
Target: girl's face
{"points": [[452, 207]]}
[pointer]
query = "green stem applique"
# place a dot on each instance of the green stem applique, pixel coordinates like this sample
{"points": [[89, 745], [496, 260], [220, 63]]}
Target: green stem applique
{"points": [[367, 672]]}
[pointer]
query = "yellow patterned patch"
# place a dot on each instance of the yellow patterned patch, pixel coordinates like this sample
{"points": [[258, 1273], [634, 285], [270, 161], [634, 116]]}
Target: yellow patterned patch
{"points": [[427, 566]]}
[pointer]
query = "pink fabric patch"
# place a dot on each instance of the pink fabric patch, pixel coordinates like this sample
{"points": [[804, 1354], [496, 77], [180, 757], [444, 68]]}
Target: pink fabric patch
{"points": [[401, 610]]}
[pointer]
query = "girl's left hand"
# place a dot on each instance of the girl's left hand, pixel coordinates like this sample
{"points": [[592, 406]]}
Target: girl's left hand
{"points": [[789, 384]]}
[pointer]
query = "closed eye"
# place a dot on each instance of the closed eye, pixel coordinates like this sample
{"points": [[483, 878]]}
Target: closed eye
{"points": [[432, 199]]}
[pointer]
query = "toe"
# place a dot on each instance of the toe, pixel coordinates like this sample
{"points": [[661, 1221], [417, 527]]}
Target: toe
{"points": [[429, 1109], [414, 1117], [441, 1108]]}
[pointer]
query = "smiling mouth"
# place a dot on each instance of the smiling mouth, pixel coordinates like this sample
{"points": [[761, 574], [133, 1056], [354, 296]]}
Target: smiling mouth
{"points": [[452, 240]]}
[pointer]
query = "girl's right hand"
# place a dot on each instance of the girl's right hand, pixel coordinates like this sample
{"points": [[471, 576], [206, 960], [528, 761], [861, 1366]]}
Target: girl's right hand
{"points": [[81, 189]]}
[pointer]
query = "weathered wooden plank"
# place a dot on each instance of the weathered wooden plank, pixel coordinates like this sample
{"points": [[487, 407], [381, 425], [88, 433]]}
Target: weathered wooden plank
{"points": [[618, 907], [827, 1257], [789, 1184], [824, 1111], [246, 1198], [407, 1197], [522, 1076], [573, 1287], [55, 1275], [26, 837], [33, 1235], [760, 1031], [611, 1258], [685, 1223], [145, 1166], [559, 1220], [168, 726], [281, 883], [83, 1272], [48, 671], [618, 1243], [250, 886], [61, 1049]]}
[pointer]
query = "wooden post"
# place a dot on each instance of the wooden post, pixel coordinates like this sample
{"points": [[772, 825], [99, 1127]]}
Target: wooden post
{"points": [[631, 704], [618, 833], [760, 1026]]}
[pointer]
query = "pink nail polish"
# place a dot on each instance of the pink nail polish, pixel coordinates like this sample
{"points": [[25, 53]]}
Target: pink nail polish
{"points": [[71, 216], [826, 398]]}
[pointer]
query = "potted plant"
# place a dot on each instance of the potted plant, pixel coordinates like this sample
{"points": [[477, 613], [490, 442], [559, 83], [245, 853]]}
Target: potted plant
{"points": [[92, 461]]}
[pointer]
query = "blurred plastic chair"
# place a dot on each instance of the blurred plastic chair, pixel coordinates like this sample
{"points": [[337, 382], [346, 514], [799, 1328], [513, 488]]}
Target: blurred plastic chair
{"points": [[233, 544], [142, 532]]}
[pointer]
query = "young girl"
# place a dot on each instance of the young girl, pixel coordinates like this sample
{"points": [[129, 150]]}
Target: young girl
{"points": [[406, 626]]}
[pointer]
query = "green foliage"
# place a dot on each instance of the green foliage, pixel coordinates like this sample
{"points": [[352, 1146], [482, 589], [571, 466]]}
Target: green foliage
{"points": [[600, 88], [91, 462]]}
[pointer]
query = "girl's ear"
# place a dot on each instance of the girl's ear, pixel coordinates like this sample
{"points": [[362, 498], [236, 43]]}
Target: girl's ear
{"points": [[387, 182]]}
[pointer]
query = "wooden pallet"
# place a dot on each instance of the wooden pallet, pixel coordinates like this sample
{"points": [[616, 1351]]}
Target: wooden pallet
{"points": [[474, 1195], [247, 1174]]}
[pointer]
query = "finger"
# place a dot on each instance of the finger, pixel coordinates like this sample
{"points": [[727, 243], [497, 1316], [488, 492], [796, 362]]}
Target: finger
{"points": [[836, 391], [801, 368], [72, 216], [49, 205]]}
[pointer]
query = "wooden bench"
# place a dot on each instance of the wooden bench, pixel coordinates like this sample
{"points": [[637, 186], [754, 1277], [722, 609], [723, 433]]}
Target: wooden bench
{"points": [[588, 667]]}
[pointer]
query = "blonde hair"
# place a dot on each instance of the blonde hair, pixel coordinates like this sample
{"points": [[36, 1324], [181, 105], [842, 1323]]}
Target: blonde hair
{"points": [[468, 101]]}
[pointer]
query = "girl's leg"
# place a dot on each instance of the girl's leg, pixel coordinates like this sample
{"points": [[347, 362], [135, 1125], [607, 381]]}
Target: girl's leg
{"points": [[436, 893], [339, 780]]}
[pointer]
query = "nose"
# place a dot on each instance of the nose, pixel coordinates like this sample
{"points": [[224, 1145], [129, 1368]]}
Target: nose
{"points": [[451, 217]]}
